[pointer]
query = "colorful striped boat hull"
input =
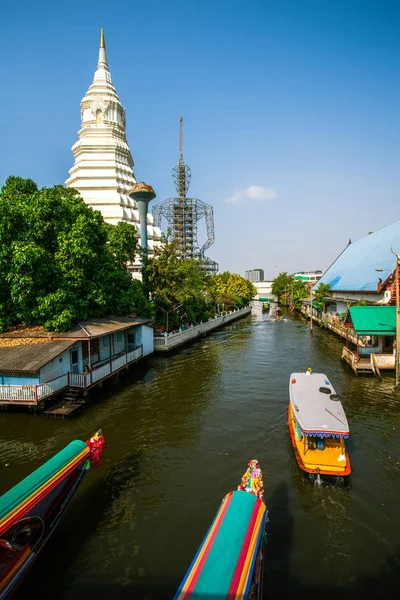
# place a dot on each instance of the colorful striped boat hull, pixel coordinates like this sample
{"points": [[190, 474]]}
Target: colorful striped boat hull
{"points": [[30, 511], [231, 552]]}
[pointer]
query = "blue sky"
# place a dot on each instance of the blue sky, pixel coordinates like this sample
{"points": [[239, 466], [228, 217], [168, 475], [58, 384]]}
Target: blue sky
{"points": [[290, 107]]}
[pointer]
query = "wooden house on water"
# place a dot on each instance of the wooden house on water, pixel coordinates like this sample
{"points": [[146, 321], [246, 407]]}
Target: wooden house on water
{"points": [[375, 327], [35, 365]]}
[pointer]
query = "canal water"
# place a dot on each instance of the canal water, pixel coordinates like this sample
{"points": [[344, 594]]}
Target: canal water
{"points": [[179, 438]]}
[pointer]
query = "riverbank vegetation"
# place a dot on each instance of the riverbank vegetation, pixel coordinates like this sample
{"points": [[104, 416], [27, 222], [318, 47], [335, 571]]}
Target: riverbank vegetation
{"points": [[182, 292], [289, 291], [60, 262]]}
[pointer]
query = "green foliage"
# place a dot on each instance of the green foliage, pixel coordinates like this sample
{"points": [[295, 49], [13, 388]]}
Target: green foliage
{"points": [[182, 288], [231, 291], [320, 295], [282, 287], [177, 286], [299, 291], [59, 261], [122, 241]]}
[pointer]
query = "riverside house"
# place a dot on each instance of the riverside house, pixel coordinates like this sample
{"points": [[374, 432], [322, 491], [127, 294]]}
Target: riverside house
{"points": [[360, 303], [363, 271], [375, 331], [35, 365]]}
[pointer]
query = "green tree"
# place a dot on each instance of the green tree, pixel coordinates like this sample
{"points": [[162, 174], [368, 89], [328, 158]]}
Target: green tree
{"points": [[60, 262], [299, 292], [231, 291], [123, 242], [282, 287], [320, 295], [178, 286]]}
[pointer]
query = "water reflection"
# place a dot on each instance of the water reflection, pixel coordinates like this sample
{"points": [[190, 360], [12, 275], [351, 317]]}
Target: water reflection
{"points": [[179, 438]]}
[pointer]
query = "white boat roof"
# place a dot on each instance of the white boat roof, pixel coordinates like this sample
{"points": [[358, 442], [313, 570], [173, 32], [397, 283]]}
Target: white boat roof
{"points": [[314, 410]]}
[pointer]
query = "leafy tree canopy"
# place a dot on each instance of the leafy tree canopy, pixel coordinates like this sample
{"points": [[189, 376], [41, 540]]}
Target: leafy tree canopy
{"points": [[282, 285], [320, 295], [59, 261], [178, 286], [181, 288], [299, 292], [231, 291]]}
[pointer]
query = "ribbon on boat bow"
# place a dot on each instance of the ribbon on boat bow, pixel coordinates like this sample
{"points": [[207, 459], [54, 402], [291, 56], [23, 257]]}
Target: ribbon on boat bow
{"points": [[252, 480], [96, 445]]}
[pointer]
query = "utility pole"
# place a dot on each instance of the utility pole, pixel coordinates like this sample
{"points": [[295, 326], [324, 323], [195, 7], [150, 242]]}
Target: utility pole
{"points": [[311, 319], [396, 283]]}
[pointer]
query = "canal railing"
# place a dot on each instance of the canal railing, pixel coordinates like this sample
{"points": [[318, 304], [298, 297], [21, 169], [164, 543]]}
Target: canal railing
{"points": [[165, 343], [330, 322], [33, 394]]}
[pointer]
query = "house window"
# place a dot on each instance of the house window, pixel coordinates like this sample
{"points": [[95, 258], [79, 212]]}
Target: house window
{"points": [[119, 336], [131, 341], [105, 340]]}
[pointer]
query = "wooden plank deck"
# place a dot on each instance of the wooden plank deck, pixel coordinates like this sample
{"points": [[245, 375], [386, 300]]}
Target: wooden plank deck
{"points": [[64, 409]]}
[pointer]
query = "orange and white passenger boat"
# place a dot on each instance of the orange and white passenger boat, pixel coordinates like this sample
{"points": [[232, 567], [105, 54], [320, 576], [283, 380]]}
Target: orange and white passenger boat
{"points": [[318, 425]]}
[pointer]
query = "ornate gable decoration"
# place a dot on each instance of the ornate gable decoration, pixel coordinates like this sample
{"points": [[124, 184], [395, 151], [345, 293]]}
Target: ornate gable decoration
{"points": [[98, 103]]}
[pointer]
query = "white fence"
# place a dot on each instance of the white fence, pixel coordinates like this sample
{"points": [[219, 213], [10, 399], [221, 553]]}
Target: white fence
{"points": [[47, 389], [31, 394], [164, 343], [18, 394]]}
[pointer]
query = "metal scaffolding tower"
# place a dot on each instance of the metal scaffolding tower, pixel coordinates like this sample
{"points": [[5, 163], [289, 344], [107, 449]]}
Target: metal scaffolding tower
{"points": [[182, 214]]}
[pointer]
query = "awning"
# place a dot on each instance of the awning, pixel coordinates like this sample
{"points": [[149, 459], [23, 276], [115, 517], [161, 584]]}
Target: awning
{"points": [[374, 320]]}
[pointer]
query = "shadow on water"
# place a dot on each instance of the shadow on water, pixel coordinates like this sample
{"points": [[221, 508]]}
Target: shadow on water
{"points": [[176, 437], [378, 588], [280, 536]]}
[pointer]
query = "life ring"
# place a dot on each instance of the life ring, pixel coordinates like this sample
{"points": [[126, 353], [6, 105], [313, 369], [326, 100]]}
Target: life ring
{"points": [[325, 390]]}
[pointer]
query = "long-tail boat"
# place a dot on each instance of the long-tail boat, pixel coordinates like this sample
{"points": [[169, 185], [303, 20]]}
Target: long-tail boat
{"points": [[30, 511], [318, 425], [229, 561]]}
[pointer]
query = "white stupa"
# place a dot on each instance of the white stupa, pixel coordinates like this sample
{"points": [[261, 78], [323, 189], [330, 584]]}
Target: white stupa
{"points": [[103, 169]]}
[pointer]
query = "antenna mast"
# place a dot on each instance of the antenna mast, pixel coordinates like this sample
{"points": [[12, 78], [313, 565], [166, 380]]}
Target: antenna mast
{"points": [[181, 139]]}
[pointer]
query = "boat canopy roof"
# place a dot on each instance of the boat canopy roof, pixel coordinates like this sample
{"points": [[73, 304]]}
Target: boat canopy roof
{"points": [[40, 480], [316, 406], [224, 563]]}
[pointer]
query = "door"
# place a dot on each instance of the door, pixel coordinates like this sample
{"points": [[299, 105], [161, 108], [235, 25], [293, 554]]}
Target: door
{"points": [[74, 355]]}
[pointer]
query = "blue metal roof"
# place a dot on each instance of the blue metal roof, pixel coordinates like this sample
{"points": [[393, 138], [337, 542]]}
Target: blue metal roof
{"points": [[355, 269]]}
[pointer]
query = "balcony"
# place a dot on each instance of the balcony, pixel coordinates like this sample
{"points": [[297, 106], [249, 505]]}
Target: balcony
{"points": [[32, 394]]}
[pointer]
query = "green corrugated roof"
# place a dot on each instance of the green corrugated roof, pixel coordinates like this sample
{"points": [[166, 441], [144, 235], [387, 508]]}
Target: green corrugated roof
{"points": [[18, 494], [374, 320]]}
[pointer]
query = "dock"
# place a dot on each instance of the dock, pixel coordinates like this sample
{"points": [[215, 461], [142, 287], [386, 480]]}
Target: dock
{"points": [[64, 409]]}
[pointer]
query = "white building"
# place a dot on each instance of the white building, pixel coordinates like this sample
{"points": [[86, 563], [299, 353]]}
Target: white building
{"points": [[103, 168], [307, 276], [264, 291]]}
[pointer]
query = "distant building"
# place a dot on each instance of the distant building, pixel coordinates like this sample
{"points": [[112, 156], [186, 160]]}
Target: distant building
{"points": [[264, 291], [254, 275], [307, 276]]}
